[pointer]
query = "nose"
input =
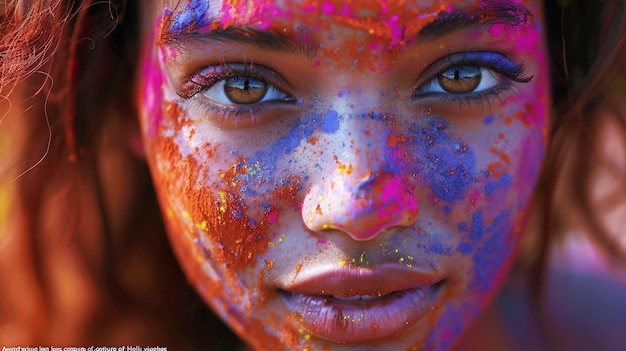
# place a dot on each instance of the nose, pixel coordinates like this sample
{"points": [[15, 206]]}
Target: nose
{"points": [[365, 193]]}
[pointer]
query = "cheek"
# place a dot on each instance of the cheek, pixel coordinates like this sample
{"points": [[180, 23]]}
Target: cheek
{"points": [[225, 203]]}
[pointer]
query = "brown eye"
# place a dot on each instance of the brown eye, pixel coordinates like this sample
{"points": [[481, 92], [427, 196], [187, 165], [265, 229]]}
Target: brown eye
{"points": [[245, 90], [460, 79]]}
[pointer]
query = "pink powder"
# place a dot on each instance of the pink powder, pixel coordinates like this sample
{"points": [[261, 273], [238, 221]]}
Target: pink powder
{"points": [[496, 30], [328, 8]]}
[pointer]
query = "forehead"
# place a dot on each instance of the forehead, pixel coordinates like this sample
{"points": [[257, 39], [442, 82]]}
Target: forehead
{"points": [[376, 17]]}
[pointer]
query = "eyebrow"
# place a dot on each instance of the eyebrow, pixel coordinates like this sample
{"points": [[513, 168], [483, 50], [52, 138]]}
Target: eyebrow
{"points": [[505, 12], [490, 12], [264, 39]]}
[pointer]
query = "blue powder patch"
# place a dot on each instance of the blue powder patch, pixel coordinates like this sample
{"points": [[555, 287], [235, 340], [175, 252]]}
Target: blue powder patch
{"points": [[488, 120], [447, 209], [495, 250], [265, 161], [193, 15], [462, 226], [476, 233], [448, 162], [498, 226], [447, 330], [465, 248], [237, 214], [439, 248], [503, 182], [331, 122]]}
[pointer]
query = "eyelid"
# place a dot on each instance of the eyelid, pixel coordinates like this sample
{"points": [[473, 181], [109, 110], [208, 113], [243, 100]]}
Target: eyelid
{"points": [[208, 76], [493, 60]]}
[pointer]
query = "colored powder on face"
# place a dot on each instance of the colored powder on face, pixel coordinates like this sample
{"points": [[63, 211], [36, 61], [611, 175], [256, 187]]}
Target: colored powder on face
{"points": [[234, 222], [503, 182], [447, 329], [258, 175], [496, 30], [236, 226], [465, 248], [477, 228], [331, 122], [439, 249], [517, 14], [488, 120], [462, 226], [193, 15], [259, 12], [447, 167], [203, 249], [476, 231], [494, 252], [328, 8]]}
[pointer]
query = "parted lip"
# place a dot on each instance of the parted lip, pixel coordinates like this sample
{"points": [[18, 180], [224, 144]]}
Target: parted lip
{"points": [[352, 305], [359, 281]]}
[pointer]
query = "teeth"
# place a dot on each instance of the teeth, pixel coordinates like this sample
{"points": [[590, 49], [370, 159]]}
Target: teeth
{"points": [[355, 297]]}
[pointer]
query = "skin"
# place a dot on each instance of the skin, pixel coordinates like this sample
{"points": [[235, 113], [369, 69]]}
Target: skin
{"points": [[357, 159]]}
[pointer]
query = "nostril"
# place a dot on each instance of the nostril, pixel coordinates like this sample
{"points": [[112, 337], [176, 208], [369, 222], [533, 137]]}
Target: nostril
{"points": [[361, 208]]}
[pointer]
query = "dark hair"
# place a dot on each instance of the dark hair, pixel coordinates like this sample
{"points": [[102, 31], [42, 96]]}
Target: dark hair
{"points": [[586, 41]]}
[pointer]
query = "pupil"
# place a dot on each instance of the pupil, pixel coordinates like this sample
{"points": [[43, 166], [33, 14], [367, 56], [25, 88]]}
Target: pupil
{"points": [[462, 72], [245, 90], [460, 79]]}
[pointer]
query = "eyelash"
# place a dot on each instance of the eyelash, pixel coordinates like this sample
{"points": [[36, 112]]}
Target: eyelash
{"points": [[206, 78], [492, 61]]}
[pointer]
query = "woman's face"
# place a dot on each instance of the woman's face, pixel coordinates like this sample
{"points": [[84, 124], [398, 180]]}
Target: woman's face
{"points": [[345, 174]]}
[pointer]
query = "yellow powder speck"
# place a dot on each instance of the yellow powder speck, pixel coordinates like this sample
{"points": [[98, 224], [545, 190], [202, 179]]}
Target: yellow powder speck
{"points": [[202, 226], [222, 196], [344, 168], [342, 263]]}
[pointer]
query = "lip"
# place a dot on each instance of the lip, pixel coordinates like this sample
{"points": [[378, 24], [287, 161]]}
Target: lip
{"points": [[356, 305]]}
